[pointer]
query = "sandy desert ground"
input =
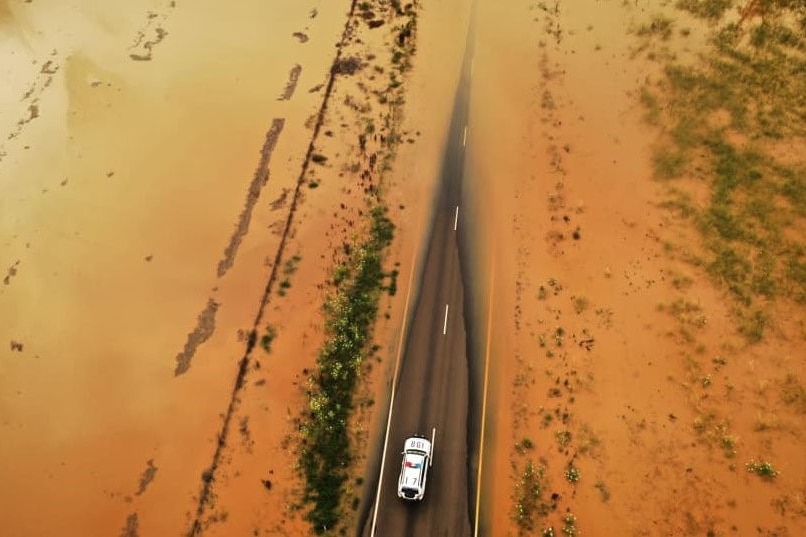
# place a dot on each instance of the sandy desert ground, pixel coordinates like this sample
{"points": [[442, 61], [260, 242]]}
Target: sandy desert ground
{"points": [[179, 181]]}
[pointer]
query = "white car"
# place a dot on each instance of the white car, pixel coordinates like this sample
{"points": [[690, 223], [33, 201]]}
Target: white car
{"points": [[417, 459]]}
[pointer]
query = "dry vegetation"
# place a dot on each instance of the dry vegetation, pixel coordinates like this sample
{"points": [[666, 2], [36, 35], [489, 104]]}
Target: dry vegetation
{"points": [[730, 152], [370, 84], [733, 122]]}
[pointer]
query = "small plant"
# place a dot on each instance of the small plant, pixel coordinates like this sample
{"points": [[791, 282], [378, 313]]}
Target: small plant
{"points": [[729, 446], [588, 442], [765, 469], [527, 494], [569, 525], [290, 266], [681, 282], [285, 285], [659, 26], [392, 287], [793, 393], [580, 304], [563, 438], [340, 274], [267, 338], [572, 474], [604, 492], [558, 336], [524, 445], [548, 532]]}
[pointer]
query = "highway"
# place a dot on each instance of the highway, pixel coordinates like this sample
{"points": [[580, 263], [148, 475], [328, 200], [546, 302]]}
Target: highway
{"points": [[431, 388]]}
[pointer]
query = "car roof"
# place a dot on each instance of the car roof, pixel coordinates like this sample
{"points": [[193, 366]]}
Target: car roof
{"points": [[413, 466]]}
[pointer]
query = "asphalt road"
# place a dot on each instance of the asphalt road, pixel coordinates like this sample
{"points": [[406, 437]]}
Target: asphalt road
{"points": [[432, 386]]}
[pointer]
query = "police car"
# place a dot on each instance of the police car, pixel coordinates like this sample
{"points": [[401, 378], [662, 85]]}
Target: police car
{"points": [[417, 459]]}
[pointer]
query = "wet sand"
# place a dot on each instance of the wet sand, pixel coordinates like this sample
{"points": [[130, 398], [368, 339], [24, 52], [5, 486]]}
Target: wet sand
{"points": [[587, 346], [147, 172], [120, 202]]}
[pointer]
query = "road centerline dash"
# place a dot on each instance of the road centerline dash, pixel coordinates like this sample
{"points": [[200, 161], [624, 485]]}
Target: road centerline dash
{"points": [[464, 137], [456, 219], [445, 323]]}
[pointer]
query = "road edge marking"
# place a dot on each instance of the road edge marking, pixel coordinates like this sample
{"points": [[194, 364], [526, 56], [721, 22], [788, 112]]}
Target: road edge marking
{"points": [[484, 401], [400, 344]]}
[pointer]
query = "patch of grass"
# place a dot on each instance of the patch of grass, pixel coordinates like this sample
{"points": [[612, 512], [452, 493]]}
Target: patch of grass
{"points": [[651, 106], [559, 334], [527, 495], [714, 432], [580, 303], [340, 273], [722, 118], [524, 445], [392, 287], [793, 393], [668, 163], [764, 469], [766, 422], [686, 313], [706, 9], [563, 438], [659, 26], [681, 204], [289, 268], [681, 282], [350, 315], [285, 285], [268, 337], [753, 323], [729, 446], [572, 474], [569, 525], [588, 442]]}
